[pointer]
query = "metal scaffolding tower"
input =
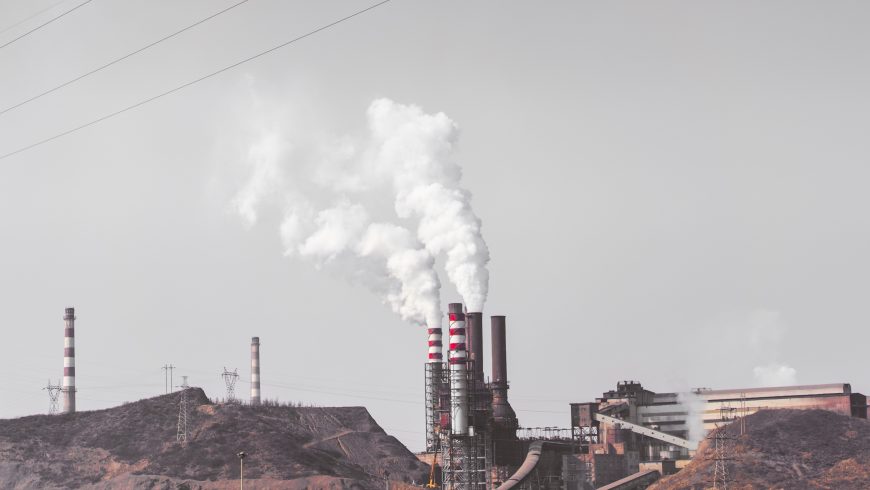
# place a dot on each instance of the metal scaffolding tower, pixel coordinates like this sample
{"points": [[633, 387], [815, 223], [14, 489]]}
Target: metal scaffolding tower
{"points": [[437, 404], [466, 459]]}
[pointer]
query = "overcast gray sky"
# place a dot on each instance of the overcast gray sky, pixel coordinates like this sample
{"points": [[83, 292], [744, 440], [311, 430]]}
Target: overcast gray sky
{"points": [[673, 192]]}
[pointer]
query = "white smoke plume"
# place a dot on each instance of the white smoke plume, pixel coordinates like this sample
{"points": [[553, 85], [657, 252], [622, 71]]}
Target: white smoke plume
{"points": [[383, 256], [265, 176], [414, 150], [767, 331], [694, 406], [775, 374], [406, 157]]}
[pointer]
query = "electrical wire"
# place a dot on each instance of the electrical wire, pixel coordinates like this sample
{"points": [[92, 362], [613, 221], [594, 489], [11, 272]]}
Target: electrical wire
{"points": [[188, 84], [46, 9], [122, 58], [40, 26]]}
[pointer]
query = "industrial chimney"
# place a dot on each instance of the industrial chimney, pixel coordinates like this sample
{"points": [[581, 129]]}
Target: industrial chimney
{"points": [[474, 343], [458, 366], [69, 361], [435, 390], [501, 409], [435, 345], [255, 370]]}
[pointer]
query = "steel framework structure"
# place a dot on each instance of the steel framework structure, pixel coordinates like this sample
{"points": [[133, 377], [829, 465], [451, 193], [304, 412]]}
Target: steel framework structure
{"points": [[467, 459]]}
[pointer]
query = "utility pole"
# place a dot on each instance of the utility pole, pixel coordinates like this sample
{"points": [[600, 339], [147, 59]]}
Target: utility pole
{"points": [[241, 456], [167, 376], [181, 433], [53, 397], [230, 378]]}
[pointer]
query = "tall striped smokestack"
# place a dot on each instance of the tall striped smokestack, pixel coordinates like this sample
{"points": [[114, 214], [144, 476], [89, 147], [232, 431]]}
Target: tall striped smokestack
{"points": [[434, 388], [69, 361], [458, 365], [435, 346], [255, 370]]}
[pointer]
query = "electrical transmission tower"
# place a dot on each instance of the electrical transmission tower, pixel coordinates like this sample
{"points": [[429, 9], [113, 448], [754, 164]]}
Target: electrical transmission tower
{"points": [[230, 378], [54, 392], [167, 376], [721, 449], [181, 433]]}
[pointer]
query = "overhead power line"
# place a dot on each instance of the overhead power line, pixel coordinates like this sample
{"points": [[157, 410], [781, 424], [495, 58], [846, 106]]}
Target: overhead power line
{"points": [[122, 58], [46, 9], [192, 82], [40, 26]]}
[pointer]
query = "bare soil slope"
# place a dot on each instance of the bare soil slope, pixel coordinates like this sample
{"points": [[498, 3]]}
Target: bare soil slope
{"points": [[133, 446], [786, 449]]}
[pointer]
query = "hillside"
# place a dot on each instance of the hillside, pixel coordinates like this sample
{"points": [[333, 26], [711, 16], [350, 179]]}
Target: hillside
{"points": [[133, 446], [786, 449]]}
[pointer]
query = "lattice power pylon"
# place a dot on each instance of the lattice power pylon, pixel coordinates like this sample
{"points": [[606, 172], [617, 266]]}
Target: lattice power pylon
{"points": [[181, 433], [54, 392], [230, 378], [721, 448]]}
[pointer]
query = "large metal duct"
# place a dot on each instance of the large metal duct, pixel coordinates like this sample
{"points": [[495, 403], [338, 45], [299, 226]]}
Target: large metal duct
{"points": [[69, 361], [458, 366], [474, 341], [501, 408], [255, 370]]}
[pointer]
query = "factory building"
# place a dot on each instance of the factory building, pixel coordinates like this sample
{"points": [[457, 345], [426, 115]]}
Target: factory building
{"points": [[623, 439], [631, 429]]}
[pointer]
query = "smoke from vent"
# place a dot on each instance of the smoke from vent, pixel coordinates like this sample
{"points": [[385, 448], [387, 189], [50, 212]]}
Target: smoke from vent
{"points": [[330, 194], [766, 335], [694, 406], [775, 374]]}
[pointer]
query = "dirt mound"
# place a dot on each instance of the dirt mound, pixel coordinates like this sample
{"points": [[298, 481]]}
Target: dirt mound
{"points": [[134, 446], [786, 449]]}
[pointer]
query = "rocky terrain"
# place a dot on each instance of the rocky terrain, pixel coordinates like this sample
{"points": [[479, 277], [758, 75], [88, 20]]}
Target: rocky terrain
{"points": [[786, 449], [134, 446]]}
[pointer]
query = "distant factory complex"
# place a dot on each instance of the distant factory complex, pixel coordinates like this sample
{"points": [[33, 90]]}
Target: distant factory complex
{"points": [[624, 439]]}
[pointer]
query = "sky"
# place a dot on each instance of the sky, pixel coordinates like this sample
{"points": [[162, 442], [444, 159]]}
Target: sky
{"points": [[670, 192]]}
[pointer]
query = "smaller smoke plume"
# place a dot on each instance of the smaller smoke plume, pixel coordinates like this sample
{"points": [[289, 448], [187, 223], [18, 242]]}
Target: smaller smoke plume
{"points": [[694, 406], [775, 374], [265, 178], [766, 335]]}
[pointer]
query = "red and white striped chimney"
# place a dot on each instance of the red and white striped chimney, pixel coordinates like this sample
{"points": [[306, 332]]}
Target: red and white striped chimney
{"points": [[458, 365], [255, 370], [69, 361], [435, 345]]}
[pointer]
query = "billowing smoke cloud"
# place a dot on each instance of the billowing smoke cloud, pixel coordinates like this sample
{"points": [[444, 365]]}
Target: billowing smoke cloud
{"points": [[414, 149], [407, 157], [383, 256]]}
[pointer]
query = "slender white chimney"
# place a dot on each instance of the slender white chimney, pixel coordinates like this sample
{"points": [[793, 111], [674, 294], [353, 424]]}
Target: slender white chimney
{"points": [[69, 361], [458, 366], [255, 370]]}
